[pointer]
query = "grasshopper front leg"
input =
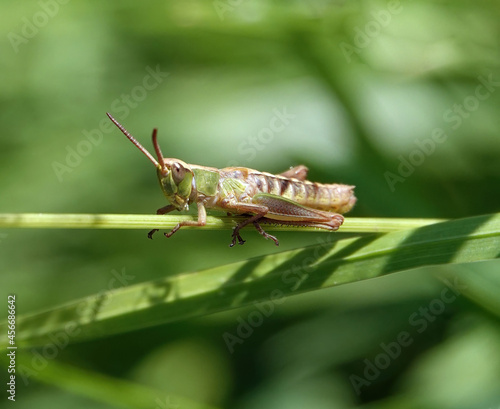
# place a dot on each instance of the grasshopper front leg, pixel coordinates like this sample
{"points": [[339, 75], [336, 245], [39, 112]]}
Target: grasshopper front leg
{"points": [[161, 210], [202, 219]]}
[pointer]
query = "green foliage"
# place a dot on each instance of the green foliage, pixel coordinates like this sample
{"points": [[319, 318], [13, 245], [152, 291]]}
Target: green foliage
{"points": [[267, 278]]}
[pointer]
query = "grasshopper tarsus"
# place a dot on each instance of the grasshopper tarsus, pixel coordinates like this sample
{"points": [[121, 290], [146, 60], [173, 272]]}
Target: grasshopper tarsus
{"points": [[235, 236], [166, 234], [150, 234], [171, 232], [264, 234], [240, 240], [161, 210]]}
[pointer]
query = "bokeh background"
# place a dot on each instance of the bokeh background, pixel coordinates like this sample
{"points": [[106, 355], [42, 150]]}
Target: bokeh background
{"points": [[400, 99]]}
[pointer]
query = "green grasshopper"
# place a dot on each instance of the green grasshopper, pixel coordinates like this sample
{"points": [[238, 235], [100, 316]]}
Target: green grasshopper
{"points": [[285, 199]]}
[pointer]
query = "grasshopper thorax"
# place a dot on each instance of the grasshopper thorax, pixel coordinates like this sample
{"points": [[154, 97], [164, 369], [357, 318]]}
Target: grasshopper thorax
{"points": [[175, 176]]}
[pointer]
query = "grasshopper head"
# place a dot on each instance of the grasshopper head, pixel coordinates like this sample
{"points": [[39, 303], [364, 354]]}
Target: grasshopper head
{"points": [[176, 179], [174, 175]]}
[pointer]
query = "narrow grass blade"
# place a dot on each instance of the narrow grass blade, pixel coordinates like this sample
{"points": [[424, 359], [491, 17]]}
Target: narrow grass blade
{"points": [[330, 263], [116, 393]]}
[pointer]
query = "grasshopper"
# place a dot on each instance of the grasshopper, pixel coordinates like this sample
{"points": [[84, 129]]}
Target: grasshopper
{"points": [[285, 199]]}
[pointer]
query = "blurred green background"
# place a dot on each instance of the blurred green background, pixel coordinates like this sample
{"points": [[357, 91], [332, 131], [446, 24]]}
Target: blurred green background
{"points": [[400, 99]]}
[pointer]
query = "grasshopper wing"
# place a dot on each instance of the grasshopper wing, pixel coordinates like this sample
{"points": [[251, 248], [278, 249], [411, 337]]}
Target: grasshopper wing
{"points": [[286, 211]]}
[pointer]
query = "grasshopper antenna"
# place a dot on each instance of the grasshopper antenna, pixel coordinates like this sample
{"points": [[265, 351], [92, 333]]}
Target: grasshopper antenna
{"points": [[157, 147], [136, 143]]}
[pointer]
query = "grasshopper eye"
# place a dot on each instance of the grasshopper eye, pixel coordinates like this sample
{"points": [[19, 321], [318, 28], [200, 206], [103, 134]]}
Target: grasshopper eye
{"points": [[178, 172]]}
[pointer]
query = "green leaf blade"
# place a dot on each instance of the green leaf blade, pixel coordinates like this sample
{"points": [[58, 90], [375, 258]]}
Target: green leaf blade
{"points": [[330, 263]]}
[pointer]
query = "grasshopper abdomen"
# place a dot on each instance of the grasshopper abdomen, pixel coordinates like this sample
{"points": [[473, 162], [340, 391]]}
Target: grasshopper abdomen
{"points": [[328, 197]]}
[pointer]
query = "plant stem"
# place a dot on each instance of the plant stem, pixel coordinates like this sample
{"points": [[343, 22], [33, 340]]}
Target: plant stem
{"points": [[140, 221]]}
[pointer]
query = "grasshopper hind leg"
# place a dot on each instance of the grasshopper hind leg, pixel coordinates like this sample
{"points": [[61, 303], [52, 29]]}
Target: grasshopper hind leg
{"points": [[297, 172]]}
